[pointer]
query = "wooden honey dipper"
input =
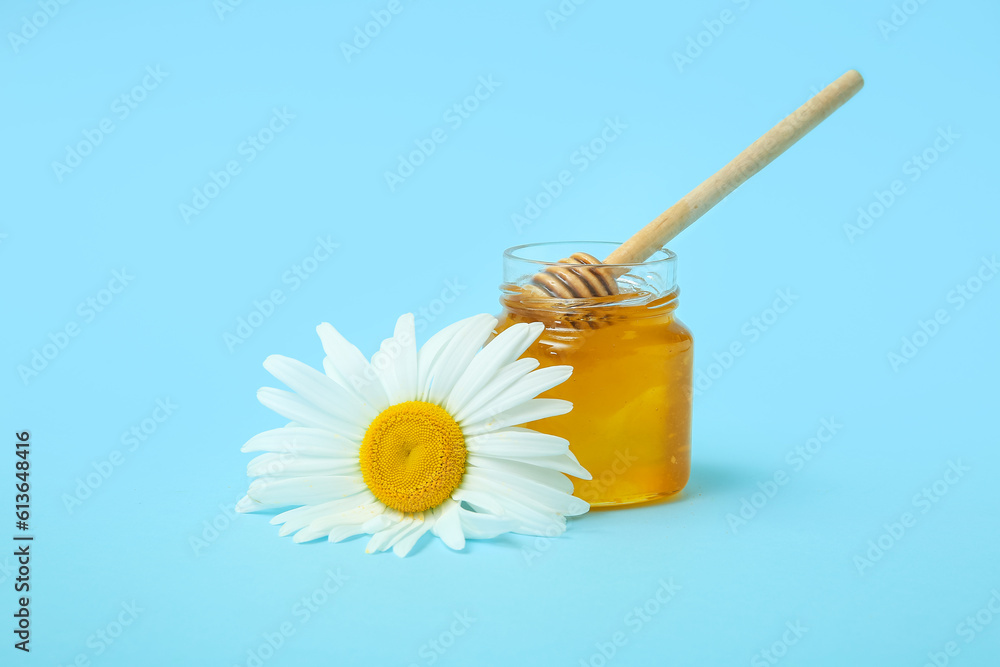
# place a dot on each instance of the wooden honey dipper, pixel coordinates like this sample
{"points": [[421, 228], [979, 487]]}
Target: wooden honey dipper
{"points": [[586, 276]]}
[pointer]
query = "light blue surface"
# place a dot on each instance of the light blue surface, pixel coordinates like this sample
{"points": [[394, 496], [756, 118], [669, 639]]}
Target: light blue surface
{"points": [[534, 602]]}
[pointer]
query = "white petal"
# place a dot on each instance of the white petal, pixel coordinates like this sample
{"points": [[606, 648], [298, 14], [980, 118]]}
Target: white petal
{"points": [[423, 522], [478, 526], [385, 520], [291, 465], [507, 376], [533, 518], [354, 522], [385, 538], [248, 504], [552, 498], [320, 390], [405, 545], [303, 490], [525, 471], [430, 351], [303, 441], [292, 520], [294, 407], [526, 388], [502, 350], [517, 442], [536, 408], [563, 463], [324, 526], [341, 533], [395, 363], [452, 360], [532, 521], [348, 365], [483, 502], [447, 525]]}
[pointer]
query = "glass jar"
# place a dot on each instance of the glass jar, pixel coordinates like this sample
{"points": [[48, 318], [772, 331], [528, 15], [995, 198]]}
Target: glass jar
{"points": [[632, 361]]}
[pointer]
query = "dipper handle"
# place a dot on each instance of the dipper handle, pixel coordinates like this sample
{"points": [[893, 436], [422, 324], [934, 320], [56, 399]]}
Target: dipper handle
{"points": [[755, 157]]}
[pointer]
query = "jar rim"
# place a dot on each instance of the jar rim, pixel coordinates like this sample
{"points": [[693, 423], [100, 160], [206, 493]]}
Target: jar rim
{"points": [[659, 257]]}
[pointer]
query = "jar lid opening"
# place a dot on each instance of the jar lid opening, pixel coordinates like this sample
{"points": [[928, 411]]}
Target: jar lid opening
{"points": [[550, 253], [655, 277]]}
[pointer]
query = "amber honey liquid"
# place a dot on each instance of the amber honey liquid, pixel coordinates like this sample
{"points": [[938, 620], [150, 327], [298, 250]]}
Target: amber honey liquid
{"points": [[631, 391]]}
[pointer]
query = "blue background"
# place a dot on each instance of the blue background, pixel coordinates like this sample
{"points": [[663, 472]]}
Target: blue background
{"points": [[135, 537]]}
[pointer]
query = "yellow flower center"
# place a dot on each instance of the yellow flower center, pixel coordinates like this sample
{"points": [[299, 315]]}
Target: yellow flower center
{"points": [[413, 456]]}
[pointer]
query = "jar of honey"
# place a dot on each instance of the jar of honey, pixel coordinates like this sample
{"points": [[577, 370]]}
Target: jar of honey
{"points": [[632, 362]]}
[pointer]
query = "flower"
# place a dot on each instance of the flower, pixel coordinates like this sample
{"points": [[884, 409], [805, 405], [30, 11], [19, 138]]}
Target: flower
{"points": [[416, 441]]}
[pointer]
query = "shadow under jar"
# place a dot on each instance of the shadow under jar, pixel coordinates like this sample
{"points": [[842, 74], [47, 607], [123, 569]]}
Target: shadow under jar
{"points": [[632, 362]]}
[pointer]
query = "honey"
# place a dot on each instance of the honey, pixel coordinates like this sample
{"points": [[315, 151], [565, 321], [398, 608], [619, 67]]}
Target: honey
{"points": [[631, 385]]}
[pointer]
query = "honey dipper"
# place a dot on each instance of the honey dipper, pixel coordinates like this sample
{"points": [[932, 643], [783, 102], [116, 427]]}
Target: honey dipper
{"points": [[583, 275]]}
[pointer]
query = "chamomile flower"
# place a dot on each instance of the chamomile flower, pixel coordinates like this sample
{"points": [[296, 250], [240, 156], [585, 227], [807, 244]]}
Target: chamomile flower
{"points": [[416, 441]]}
